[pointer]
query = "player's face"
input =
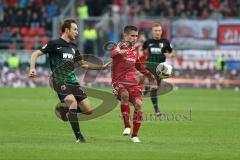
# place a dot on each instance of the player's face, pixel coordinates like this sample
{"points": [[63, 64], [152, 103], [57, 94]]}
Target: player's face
{"points": [[141, 38], [72, 32], [131, 37], [157, 32]]}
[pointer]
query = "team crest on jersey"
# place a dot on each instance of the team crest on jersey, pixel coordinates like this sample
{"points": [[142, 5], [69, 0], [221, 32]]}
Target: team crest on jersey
{"points": [[63, 87], [134, 53], [43, 47], [161, 45], [73, 50]]}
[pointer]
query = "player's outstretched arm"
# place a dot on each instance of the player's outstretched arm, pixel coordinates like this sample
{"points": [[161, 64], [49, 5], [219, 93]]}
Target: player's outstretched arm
{"points": [[35, 55], [170, 54], [153, 82], [89, 65]]}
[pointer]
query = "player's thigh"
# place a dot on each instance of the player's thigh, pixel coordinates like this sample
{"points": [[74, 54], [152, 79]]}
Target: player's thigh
{"points": [[140, 78], [71, 101], [124, 95], [121, 92], [85, 106]]}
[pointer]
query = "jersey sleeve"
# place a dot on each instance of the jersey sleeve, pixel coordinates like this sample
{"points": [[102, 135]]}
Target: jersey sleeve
{"points": [[167, 47], [47, 48], [78, 56], [145, 45], [115, 51], [140, 67]]}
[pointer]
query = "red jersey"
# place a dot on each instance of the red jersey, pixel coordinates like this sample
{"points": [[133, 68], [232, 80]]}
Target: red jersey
{"points": [[123, 66], [142, 56]]}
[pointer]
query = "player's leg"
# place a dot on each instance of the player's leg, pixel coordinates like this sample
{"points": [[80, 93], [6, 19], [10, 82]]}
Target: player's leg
{"points": [[125, 111], [122, 94], [85, 106], [154, 99], [153, 93], [136, 99], [146, 87], [72, 117]]}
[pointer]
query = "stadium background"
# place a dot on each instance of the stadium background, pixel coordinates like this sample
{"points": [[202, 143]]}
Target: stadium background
{"points": [[200, 31], [200, 34]]}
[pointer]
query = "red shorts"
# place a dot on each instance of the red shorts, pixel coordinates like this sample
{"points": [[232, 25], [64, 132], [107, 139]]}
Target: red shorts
{"points": [[135, 92]]}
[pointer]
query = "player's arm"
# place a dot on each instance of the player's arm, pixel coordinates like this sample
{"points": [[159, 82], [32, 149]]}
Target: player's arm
{"points": [[144, 52], [168, 50], [89, 65], [140, 67], [118, 51], [170, 54], [35, 55]]}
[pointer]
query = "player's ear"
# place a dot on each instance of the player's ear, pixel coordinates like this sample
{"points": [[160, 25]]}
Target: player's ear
{"points": [[67, 30]]}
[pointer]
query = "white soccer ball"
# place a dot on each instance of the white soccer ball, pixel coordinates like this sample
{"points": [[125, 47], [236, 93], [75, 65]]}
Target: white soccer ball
{"points": [[164, 70]]}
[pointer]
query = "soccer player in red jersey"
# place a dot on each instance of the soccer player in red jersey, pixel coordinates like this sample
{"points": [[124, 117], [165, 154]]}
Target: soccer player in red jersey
{"points": [[125, 61]]}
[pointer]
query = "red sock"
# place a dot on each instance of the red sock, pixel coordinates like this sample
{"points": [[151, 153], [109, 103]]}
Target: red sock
{"points": [[125, 110], [137, 119]]}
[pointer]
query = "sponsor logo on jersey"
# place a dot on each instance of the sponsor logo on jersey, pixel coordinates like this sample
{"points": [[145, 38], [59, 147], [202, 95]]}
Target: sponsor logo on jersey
{"points": [[155, 50], [59, 47], [63, 87], [131, 59], [43, 47], [67, 56], [161, 45]]}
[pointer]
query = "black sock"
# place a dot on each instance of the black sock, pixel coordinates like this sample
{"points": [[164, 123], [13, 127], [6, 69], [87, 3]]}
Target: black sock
{"points": [[146, 90], [73, 119], [154, 99]]}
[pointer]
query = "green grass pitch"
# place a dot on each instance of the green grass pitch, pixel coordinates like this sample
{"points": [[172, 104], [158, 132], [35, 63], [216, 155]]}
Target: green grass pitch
{"points": [[200, 124]]}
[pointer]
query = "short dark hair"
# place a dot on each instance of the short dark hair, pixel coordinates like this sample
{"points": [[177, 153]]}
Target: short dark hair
{"points": [[129, 28], [67, 24]]}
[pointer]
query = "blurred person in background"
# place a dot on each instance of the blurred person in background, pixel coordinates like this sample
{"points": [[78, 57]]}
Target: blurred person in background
{"points": [[156, 50], [13, 61]]}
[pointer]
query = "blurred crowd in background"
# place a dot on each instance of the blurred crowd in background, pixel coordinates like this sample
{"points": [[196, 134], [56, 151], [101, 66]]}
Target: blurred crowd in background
{"points": [[18, 77], [27, 25]]}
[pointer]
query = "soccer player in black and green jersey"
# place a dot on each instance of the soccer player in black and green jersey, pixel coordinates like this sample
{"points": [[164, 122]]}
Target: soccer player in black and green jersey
{"points": [[63, 56], [156, 50]]}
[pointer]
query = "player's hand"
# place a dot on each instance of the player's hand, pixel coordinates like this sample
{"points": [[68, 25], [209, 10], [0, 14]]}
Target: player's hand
{"points": [[32, 73], [107, 65]]}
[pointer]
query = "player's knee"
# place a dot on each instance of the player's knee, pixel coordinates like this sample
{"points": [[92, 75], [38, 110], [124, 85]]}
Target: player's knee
{"points": [[124, 97], [139, 102], [153, 92], [138, 105], [88, 112]]}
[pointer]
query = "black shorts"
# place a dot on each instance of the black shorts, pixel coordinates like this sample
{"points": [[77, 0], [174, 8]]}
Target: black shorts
{"points": [[66, 89]]}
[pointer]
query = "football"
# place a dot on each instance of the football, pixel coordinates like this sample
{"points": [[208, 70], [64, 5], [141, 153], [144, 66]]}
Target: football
{"points": [[164, 70]]}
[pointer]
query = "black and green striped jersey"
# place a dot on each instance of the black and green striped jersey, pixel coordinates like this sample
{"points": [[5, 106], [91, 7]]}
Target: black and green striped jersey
{"points": [[62, 56], [156, 50]]}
